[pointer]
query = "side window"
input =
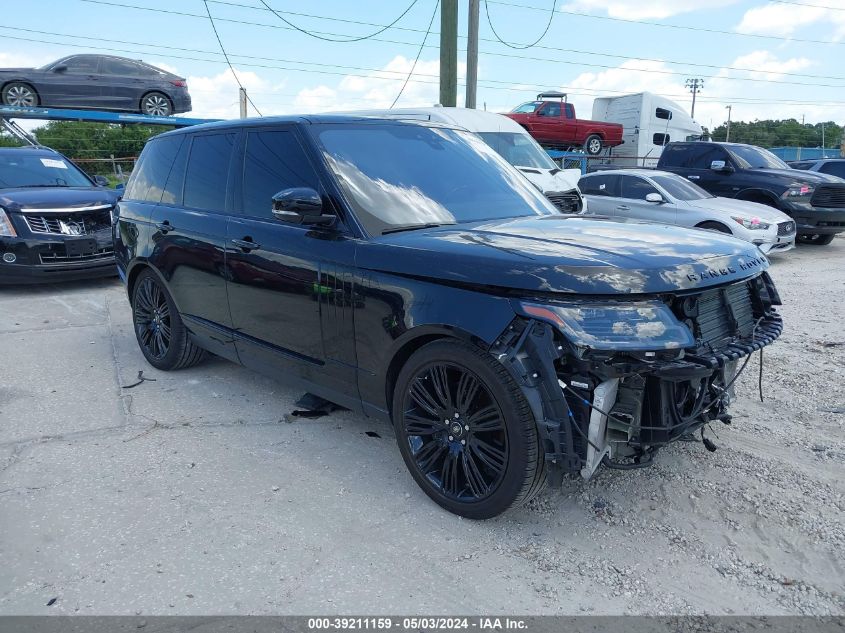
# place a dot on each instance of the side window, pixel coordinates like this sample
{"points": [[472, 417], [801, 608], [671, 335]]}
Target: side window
{"points": [[834, 169], [600, 185], [114, 66], [83, 65], [636, 188], [176, 180], [660, 139], [150, 174], [552, 108], [207, 173], [663, 113], [273, 161], [570, 111], [708, 154], [675, 156]]}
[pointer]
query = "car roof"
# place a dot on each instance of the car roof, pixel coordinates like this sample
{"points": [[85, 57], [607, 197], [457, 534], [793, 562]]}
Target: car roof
{"points": [[303, 119]]}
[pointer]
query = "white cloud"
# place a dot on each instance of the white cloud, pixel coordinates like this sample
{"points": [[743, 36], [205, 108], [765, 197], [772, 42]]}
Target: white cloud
{"points": [[643, 10], [785, 20], [764, 65], [216, 97], [19, 60]]}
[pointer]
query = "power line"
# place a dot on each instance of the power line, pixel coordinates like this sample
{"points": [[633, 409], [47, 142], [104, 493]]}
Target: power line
{"points": [[327, 39], [517, 46], [417, 58], [232, 68], [807, 4]]}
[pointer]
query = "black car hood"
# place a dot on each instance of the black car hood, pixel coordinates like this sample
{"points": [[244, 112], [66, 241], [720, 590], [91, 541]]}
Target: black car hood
{"points": [[566, 254], [797, 176], [34, 198]]}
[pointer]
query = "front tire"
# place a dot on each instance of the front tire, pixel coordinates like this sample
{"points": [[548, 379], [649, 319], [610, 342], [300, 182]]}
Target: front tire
{"points": [[714, 226], [815, 240], [156, 104], [19, 94], [159, 329], [593, 145], [466, 432]]}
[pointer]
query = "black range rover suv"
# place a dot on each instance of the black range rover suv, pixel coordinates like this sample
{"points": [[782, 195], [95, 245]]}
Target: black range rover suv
{"points": [[55, 221], [407, 272]]}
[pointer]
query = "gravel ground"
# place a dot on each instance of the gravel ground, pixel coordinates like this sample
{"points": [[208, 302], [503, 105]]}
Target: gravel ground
{"points": [[194, 494]]}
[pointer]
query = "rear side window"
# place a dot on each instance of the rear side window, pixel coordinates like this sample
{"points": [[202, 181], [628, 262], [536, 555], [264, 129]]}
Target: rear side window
{"points": [[636, 188], [674, 155], [600, 185], [693, 155], [834, 169], [150, 174], [273, 161], [176, 180], [207, 173]]}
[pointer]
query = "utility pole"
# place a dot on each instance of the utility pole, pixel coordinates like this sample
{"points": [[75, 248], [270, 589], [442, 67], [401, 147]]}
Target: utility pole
{"points": [[694, 84], [242, 99], [728, 133], [449, 53], [472, 53]]}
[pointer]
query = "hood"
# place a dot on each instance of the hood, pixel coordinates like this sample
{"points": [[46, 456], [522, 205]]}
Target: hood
{"points": [[552, 180], [34, 198], [15, 70], [729, 207], [566, 254], [790, 176]]}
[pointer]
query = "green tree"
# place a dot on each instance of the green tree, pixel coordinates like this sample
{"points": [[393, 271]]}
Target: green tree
{"points": [[780, 133]]}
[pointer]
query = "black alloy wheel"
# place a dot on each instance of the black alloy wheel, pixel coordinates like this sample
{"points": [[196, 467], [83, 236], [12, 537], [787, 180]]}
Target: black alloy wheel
{"points": [[161, 334], [466, 432]]}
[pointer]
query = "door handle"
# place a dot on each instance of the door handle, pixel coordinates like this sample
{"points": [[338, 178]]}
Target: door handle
{"points": [[693, 177], [246, 245], [165, 226], [624, 207]]}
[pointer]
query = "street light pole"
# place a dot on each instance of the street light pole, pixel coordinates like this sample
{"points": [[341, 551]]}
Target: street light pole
{"points": [[694, 84], [728, 133]]}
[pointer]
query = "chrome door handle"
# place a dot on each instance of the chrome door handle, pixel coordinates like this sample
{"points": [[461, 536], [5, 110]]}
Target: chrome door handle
{"points": [[623, 207], [246, 245], [693, 177]]}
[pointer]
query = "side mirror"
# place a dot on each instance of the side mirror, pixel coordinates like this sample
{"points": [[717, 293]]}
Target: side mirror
{"points": [[60, 69], [655, 198], [300, 205], [720, 165], [101, 181]]}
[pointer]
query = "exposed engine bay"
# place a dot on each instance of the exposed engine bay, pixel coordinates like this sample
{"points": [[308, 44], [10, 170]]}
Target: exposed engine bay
{"points": [[612, 382]]}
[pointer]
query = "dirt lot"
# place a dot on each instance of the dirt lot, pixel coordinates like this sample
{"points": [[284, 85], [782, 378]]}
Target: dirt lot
{"points": [[192, 494]]}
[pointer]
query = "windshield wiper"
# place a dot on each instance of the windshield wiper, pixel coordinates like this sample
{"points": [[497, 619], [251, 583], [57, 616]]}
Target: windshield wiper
{"points": [[34, 186], [412, 227]]}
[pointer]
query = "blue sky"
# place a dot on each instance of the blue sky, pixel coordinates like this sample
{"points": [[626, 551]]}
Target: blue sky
{"points": [[752, 54]]}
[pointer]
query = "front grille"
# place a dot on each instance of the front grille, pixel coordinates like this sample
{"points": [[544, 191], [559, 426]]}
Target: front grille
{"points": [[568, 202], [829, 196], [58, 256], [786, 228], [76, 224], [718, 317]]}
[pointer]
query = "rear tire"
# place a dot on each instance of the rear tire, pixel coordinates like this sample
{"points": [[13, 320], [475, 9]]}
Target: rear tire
{"points": [[593, 145], [714, 226], [815, 240], [159, 329], [466, 432], [156, 104], [20, 94]]}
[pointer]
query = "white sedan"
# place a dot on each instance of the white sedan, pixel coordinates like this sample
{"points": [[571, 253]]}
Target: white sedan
{"points": [[659, 196]]}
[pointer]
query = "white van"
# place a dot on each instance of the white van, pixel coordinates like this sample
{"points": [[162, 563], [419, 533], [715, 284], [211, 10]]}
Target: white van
{"points": [[511, 141]]}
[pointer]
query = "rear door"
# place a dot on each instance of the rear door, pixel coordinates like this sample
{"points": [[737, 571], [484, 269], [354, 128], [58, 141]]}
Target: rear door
{"points": [[290, 286], [190, 235], [700, 161], [633, 204], [122, 83]]}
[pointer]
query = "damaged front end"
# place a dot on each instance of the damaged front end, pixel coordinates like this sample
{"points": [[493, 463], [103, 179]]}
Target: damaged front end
{"points": [[610, 381]]}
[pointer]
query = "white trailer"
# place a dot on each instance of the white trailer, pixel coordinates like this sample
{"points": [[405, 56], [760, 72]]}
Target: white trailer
{"points": [[649, 122]]}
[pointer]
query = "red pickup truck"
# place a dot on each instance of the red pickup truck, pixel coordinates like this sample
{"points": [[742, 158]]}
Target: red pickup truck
{"points": [[551, 121]]}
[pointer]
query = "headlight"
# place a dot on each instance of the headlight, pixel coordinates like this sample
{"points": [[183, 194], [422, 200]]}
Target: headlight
{"points": [[6, 228], [751, 223], [643, 326], [798, 194]]}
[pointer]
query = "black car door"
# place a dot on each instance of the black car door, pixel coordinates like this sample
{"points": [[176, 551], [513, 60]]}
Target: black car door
{"points": [[190, 232], [702, 171], [289, 286], [73, 82]]}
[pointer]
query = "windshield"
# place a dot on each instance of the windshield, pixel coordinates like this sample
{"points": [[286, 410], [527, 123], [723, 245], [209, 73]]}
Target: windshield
{"points": [[32, 170], [518, 149], [749, 157], [400, 175], [681, 188], [526, 108]]}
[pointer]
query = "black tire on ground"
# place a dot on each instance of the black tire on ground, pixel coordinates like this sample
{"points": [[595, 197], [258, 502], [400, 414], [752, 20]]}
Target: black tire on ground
{"points": [[815, 240], [714, 226], [157, 104], [18, 93], [593, 145], [465, 431], [159, 329]]}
